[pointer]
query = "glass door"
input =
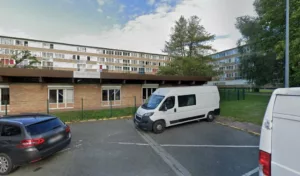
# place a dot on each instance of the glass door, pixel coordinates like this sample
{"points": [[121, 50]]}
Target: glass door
{"points": [[147, 92]]}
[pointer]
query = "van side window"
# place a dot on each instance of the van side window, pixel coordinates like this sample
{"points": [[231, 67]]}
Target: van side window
{"points": [[186, 100], [10, 130], [169, 102]]}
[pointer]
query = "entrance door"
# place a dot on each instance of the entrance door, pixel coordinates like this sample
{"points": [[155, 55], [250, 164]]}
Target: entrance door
{"points": [[147, 92]]}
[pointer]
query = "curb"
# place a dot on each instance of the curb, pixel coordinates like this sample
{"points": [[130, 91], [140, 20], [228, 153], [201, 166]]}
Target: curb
{"points": [[102, 119], [237, 128]]}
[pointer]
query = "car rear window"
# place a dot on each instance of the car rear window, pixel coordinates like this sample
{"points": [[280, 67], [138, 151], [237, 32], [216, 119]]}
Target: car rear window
{"points": [[43, 127]]}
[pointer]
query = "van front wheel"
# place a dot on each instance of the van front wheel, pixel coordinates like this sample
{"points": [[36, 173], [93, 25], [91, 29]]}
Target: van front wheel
{"points": [[210, 117], [159, 126]]}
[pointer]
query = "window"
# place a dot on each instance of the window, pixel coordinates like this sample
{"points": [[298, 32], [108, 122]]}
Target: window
{"points": [[6, 41], [10, 130], [134, 62], [4, 95], [46, 45], [110, 52], [147, 92], [186, 100], [25, 43], [148, 69], [111, 60], [81, 49], [118, 68], [61, 96], [134, 69], [134, 54], [111, 94], [126, 68], [117, 60], [88, 58], [118, 53], [126, 61], [126, 54], [169, 102], [74, 57], [19, 42], [142, 62], [51, 46], [43, 127], [102, 60]]}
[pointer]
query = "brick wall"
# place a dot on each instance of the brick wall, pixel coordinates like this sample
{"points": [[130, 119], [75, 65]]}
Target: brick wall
{"points": [[91, 94], [31, 98], [129, 92], [28, 98]]}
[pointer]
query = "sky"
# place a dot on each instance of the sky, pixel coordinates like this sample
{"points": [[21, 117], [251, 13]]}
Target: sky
{"points": [[140, 25]]}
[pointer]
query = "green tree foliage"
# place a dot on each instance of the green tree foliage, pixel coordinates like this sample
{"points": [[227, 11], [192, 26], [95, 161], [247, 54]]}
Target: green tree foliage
{"points": [[265, 37], [187, 46], [20, 57]]}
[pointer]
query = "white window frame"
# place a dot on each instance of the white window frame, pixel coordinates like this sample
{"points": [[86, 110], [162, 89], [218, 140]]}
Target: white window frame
{"points": [[64, 88], [114, 101], [1, 87], [148, 86]]}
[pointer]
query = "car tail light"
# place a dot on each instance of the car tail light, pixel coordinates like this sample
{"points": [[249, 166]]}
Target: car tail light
{"points": [[68, 129], [265, 163], [31, 142]]}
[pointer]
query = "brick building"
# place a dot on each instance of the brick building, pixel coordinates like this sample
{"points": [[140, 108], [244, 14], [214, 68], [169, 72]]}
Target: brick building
{"points": [[36, 90]]}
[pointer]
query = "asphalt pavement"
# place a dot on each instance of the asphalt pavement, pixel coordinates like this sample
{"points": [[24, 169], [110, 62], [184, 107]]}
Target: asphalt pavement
{"points": [[113, 148]]}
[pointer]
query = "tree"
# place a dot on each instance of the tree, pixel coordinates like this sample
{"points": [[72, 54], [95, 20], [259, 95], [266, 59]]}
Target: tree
{"points": [[265, 36], [187, 46], [22, 56]]}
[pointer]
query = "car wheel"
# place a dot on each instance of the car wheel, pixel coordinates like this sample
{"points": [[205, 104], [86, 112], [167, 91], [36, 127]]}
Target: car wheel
{"points": [[6, 165], [159, 126], [210, 117]]}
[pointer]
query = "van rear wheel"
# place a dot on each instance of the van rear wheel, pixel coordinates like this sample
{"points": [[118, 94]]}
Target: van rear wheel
{"points": [[210, 117], [159, 126]]}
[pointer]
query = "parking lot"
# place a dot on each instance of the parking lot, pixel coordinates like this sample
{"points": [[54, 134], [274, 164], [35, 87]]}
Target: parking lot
{"points": [[117, 148]]}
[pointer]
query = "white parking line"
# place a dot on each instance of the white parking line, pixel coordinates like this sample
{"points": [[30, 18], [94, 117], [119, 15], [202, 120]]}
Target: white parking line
{"points": [[210, 146], [180, 145], [251, 172]]}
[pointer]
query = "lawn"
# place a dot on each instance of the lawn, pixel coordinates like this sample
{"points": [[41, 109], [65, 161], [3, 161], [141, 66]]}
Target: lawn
{"points": [[70, 116], [251, 109]]}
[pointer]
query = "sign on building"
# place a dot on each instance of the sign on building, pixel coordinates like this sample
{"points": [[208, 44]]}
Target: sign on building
{"points": [[85, 74]]}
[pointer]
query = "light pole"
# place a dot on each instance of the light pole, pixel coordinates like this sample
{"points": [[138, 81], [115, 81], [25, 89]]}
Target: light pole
{"points": [[287, 38]]}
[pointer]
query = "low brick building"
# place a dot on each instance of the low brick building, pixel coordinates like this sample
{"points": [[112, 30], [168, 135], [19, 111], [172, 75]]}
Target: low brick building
{"points": [[36, 90]]}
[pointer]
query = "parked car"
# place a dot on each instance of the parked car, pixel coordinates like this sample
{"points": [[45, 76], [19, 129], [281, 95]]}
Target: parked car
{"points": [[29, 138], [279, 153], [176, 105]]}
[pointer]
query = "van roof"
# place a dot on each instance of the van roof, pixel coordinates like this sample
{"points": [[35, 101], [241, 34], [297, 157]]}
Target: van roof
{"points": [[287, 91], [167, 90]]}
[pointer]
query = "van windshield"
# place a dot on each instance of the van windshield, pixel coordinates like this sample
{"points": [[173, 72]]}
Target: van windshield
{"points": [[153, 101]]}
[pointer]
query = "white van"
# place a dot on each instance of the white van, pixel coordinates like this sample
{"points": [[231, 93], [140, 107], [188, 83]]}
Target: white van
{"points": [[279, 153], [176, 105]]}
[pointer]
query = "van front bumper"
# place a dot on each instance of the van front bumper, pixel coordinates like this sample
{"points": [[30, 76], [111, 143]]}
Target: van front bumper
{"points": [[144, 123]]}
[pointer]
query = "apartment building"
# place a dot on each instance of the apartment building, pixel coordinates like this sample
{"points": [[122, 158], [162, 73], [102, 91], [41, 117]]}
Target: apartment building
{"points": [[227, 62], [71, 57]]}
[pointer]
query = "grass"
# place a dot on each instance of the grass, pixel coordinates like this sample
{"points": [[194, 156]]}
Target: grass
{"points": [[70, 116], [251, 109]]}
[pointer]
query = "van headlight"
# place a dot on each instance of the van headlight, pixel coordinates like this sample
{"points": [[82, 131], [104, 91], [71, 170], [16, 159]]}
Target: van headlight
{"points": [[148, 114]]}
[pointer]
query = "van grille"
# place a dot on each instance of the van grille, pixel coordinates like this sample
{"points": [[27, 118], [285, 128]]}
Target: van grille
{"points": [[138, 118]]}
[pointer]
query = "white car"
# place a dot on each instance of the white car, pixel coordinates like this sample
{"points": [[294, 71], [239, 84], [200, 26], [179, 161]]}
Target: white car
{"points": [[176, 105], [279, 153]]}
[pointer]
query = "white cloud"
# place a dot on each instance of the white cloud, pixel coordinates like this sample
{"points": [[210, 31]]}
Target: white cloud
{"points": [[101, 3], [151, 2], [149, 32], [121, 8]]}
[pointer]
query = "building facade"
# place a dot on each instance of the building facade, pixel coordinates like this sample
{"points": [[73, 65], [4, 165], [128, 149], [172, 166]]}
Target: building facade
{"points": [[63, 56], [38, 90], [227, 63]]}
